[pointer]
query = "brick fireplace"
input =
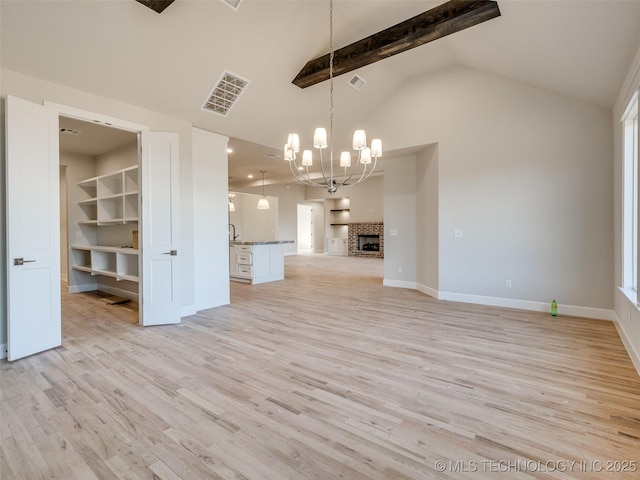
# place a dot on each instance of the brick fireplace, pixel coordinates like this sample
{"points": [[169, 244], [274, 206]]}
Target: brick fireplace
{"points": [[366, 240]]}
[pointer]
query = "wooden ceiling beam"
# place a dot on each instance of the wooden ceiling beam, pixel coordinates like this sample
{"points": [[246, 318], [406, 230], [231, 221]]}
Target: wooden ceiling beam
{"points": [[440, 21], [156, 5]]}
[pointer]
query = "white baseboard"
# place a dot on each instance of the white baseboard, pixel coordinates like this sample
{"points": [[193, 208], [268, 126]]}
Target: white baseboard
{"points": [[428, 290], [399, 284], [86, 287], [187, 311], [587, 312], [119, 292], [572, 310], [3, 351], [634, 355]]}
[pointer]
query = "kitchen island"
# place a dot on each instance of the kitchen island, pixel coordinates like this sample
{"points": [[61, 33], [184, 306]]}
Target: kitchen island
{"points": [[257, 261]]}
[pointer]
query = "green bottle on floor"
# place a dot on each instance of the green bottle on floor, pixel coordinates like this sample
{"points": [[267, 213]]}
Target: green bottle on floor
{"points": [[554, 308]]}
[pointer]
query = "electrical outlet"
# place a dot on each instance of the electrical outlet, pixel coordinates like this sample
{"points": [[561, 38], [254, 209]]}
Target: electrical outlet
{"points": [[457, 234], [507, 283], [399, 269]]}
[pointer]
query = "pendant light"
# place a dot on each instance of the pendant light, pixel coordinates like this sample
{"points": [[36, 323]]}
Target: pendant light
{"points": [[263, 203]]}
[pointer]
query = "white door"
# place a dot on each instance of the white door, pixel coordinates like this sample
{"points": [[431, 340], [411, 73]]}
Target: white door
{"points": [[159, 199], [33, 230], [305, 227]]}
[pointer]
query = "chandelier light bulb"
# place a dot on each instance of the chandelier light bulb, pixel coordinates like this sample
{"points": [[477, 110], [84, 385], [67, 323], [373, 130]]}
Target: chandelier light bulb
{"points": [[294, 142], [359, 140], [365, 156], [376, 147], [307, 159], [288, 154], [345, 159], [320, 138]]}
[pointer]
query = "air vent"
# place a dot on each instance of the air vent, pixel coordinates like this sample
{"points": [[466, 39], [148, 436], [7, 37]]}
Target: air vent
{"points": [[224, 94], [357, 82], [70, 131], [235, 4]]}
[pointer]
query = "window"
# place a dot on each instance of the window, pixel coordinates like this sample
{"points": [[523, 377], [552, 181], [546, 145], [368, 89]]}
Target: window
{"points": [[630, 209]]}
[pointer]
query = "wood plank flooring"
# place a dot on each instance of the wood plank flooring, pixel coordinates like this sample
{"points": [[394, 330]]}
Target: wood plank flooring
{"points": [[325, 375]]}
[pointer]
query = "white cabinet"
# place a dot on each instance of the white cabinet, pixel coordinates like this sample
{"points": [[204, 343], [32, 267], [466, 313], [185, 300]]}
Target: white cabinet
{"points": [[337, 246], [257, 262]]}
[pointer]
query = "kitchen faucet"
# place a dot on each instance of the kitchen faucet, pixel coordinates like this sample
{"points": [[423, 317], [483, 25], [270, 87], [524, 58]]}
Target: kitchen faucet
{"points": [[231, 225]]}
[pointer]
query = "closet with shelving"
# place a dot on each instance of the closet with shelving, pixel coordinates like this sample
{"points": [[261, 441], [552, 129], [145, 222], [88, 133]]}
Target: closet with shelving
{"points": [[103, 206]]}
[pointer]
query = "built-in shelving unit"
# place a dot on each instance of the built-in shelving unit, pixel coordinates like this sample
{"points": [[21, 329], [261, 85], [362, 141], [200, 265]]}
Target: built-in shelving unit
{"points": [[106, 245], [112, 198], [339, 216], [120, 263]]}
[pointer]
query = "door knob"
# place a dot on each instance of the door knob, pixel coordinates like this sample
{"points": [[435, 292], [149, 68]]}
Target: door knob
{"points": [[21, 261], [173, 253]]}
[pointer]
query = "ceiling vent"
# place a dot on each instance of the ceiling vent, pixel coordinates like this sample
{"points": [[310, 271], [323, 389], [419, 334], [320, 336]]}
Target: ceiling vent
{"points": [[235, 4], [70, 131], [357, 82], [225, 93]]}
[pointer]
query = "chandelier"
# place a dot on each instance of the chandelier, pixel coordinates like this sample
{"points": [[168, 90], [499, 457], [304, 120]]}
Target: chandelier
{"points": [[344, 174]]}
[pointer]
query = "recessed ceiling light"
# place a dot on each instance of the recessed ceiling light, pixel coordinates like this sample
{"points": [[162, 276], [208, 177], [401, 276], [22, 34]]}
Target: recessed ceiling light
{"points": [[249, 176], [272, 155], [229, 150], [300, 168]]}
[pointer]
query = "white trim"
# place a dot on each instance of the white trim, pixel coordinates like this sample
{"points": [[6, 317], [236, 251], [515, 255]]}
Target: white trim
{"points": [[577, 311], [119, 292], [189, 310], [3, 351], [432, 292], [81, 288], [629, 87], [634, 355], [399, 284], [67, 111], [572, 310]]}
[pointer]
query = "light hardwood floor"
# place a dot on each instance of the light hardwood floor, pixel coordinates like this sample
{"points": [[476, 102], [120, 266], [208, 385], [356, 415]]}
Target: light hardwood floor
{"points": [[325, 375]]}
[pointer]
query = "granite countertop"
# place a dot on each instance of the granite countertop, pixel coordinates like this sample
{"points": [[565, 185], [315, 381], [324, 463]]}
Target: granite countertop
{"points": [[259, 242]]}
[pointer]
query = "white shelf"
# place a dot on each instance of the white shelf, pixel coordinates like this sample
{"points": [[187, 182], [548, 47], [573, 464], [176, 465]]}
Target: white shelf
{"points": [[112, 198], [120, 263]]}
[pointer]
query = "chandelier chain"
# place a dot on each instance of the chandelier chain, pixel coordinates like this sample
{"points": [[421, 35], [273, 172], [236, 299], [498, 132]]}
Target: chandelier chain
{"points": [[331, 82]]}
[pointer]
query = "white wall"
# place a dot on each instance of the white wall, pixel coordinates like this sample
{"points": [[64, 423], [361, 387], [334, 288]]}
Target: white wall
{"points": [[288, 195], [428, 219], [526, 175], [64, 237], [78, 167], [626, 309], [367, 200], [3, 235], [211, 218], [400, 265]]}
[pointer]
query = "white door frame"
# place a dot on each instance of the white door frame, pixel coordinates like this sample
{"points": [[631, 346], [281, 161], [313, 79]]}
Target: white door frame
{"points": [[87, 116]]}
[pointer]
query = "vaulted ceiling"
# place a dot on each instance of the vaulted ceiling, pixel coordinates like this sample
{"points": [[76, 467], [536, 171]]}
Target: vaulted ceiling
{"points": [[169, 62]]}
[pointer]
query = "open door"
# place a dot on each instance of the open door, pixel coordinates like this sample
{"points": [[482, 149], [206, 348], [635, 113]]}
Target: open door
{"points": [[160, 303], [33, 237]]}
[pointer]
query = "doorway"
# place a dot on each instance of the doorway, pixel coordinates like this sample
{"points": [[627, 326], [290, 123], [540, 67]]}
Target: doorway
{"points": [[32, 219], [305, 228]]}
